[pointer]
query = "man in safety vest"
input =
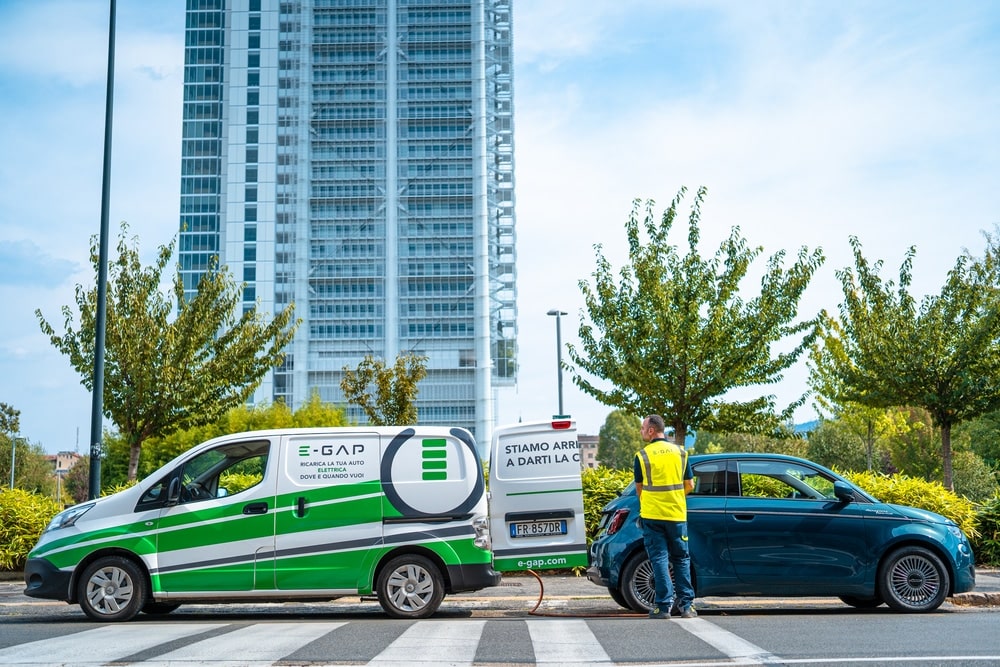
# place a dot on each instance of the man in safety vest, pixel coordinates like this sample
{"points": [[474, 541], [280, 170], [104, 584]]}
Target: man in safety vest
{"points": [[662, 482]]}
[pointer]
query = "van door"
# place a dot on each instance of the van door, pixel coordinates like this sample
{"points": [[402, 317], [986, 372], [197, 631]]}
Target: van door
{"points": [[536, 497], [329, 509], [218, 521]]}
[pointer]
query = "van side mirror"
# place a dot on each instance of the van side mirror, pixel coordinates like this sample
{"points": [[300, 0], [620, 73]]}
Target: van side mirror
{"points": [[844, 493], [174, 492]]}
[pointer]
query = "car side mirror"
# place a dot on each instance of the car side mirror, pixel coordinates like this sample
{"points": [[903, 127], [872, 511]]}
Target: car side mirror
{"points": [[844, 493]]}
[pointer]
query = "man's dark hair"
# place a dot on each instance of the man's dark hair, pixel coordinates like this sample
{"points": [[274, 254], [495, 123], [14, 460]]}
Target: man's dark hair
{"points": [[656, 421]]}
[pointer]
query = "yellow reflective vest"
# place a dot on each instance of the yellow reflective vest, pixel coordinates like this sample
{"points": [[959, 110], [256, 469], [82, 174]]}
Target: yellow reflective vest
{"points": [[663, 464]]}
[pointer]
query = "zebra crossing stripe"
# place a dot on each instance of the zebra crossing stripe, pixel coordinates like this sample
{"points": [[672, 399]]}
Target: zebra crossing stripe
{"points": [[733, 646], [105, 644], [243, 646], [433, 643], [565, 642]]}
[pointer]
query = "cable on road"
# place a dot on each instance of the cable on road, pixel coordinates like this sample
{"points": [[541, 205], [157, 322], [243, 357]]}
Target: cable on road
{"points": [[541, 594]]}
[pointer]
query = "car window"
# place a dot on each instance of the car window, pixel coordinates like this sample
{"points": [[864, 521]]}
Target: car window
{"points": [[783, 479], [710, 479], [222, 471]]}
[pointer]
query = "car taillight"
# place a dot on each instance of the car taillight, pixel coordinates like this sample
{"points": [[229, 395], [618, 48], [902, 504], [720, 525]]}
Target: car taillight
{"points": [[617, 521]]}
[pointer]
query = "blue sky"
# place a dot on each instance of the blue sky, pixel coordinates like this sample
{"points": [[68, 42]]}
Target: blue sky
{"points": [[808, 122]]}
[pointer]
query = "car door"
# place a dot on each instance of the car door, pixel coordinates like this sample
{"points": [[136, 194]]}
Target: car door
{"points": [[215, 533], [706, 507], [787, 532]]}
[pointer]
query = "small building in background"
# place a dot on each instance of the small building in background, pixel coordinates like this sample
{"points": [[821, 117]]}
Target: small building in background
{"points": [[63, 461], [588, 450]]}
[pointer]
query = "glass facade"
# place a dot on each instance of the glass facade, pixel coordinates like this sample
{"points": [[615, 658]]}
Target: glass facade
{"points": [[355, 158]]}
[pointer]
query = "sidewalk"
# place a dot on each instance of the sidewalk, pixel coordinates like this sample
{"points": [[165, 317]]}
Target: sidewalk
{"points": [[548, 593]]}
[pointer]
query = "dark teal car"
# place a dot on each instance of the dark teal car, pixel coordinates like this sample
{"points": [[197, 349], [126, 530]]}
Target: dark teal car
{"points": [[772, 525]]}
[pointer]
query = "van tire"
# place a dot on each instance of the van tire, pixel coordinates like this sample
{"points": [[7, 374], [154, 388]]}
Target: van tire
{"points": [[112, 588], [410, 586]]}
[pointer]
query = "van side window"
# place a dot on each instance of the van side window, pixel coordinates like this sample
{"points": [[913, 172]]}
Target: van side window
{"points": [[224, 471]]}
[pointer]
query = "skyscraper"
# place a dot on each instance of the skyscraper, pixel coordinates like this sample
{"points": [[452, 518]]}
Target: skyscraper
{"points": [[355, 157]]}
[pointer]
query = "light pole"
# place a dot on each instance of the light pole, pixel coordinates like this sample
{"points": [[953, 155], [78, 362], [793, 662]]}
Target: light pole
{"points": [[13, 458], [555, 312]]}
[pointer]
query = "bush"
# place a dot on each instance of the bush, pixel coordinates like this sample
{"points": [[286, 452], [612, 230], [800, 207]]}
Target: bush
{"points": [[986, 545], [600, 486], [23, 517], [916, 492]]}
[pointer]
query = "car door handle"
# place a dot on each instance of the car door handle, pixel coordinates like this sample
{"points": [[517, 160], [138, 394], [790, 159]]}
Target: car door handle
{"points": [[255, 508], [743, 517]]}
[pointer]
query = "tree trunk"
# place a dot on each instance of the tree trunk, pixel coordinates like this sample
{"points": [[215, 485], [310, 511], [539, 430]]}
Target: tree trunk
{"points": [[946, 456], [133, 460]]}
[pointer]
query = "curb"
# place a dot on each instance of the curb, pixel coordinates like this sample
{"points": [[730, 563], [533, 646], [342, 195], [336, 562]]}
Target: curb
{"points": [[975, 599]]}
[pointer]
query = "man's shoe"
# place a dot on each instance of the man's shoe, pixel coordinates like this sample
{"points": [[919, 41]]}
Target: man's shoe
{"points": [[675, 609], [656, 612], [689, 613]]}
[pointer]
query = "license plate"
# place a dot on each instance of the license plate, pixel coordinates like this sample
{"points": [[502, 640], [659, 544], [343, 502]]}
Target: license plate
{"points": [[537, 528]]}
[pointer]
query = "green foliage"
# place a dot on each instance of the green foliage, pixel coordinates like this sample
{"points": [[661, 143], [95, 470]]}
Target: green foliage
{"points": [[711, 443], [834, 445], [387, 396], [32, 472], [762, 486], [983, 435], [234, 482], [973, 478], [673, 334], [76, 482], [600, 486], [986, 544], [619, 439], [23, 517], [932, 496], [165, 373], [940, 355], [10, 419]]}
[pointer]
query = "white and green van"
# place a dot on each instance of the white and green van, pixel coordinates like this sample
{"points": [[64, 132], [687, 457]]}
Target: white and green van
{"points": [[293, 514]]}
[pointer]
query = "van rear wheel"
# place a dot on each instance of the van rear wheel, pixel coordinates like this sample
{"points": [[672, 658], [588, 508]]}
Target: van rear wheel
{"points": [[112, 589], [410, 586]]}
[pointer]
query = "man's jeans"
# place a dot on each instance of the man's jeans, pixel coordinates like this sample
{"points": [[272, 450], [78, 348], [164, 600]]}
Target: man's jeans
{"points": [[667, 545]]}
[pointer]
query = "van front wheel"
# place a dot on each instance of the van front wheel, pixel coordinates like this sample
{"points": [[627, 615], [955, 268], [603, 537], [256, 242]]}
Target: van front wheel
{"points": [[410, 586], [112, 589]]}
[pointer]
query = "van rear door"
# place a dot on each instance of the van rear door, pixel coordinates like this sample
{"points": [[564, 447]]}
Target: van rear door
{"points": [[536, 497]]}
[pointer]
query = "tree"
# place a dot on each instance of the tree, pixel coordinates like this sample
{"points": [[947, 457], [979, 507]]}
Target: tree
{"points": [[941, 356], [619, 439], [10, 419], [868, 424], [673, 335], [164, 374], [386, 395]]}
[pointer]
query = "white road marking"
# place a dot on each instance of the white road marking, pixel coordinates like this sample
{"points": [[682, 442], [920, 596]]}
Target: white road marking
{"points": [[734, 646], [101, 645], [434, 643], [565, 643], [245, 646]]}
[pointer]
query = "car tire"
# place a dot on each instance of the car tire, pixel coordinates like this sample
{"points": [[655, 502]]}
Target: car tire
{"points": [[410, 586], [913, 579], [616, 595], [861, 603], [160, 608], [637, 587], [112, 588]]}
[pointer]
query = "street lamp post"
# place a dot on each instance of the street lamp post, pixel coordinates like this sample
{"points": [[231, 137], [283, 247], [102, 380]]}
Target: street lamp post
{"points": [[555, 312], [13, 458]]}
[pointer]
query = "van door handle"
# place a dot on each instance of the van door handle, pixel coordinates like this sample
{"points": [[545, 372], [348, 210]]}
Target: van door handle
{"points": [[301, 506], [255, 508]]}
